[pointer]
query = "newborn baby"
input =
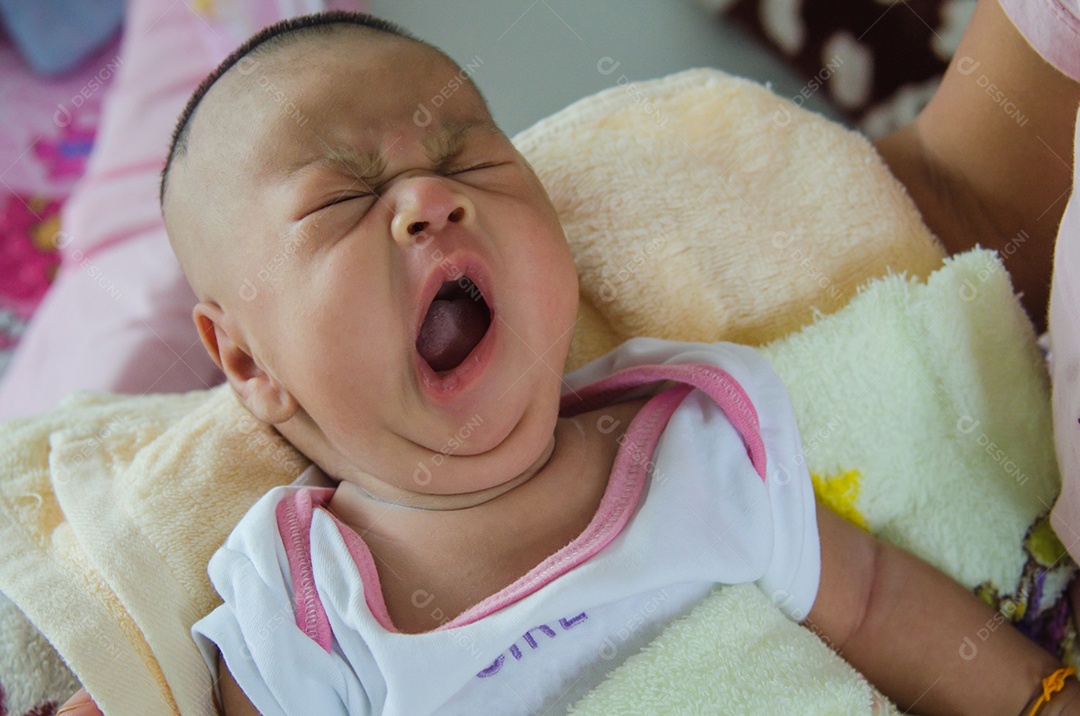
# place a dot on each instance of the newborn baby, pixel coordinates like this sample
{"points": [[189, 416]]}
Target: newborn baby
{"points": [[383, 279]]}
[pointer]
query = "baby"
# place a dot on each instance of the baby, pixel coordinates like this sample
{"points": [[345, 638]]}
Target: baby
{"points": [[423, 296]]}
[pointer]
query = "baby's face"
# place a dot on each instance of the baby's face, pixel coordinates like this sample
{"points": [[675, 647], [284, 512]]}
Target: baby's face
{"points": [[395, 269]]}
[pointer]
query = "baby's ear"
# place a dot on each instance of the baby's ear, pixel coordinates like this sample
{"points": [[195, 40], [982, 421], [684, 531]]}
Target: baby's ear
{"points": [[258, 391]]}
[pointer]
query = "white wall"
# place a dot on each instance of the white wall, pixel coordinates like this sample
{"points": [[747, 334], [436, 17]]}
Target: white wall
{"points": [[533, 57]]}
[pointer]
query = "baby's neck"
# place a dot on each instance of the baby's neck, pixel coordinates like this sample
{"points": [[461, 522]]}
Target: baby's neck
{"points": [[464, 555], [447, 503]]}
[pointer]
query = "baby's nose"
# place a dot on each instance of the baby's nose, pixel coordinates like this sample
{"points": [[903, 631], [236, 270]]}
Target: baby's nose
{"points": [[425, 206]]}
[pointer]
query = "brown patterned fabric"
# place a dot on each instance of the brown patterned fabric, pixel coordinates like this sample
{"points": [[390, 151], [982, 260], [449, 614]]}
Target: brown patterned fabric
{"points": [[879, 61]]}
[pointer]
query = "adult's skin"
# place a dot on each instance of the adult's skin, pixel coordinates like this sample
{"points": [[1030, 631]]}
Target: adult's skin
{"points": [[989, 160]]}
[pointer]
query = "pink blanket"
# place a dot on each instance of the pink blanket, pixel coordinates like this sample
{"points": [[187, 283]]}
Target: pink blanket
{"points": [[47, 128]]}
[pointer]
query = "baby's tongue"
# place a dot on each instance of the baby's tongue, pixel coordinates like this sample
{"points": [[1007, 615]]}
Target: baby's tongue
{"points": [[450, 331]]}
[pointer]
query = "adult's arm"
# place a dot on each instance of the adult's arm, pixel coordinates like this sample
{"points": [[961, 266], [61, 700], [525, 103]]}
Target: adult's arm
{"points": [[989, 160]]}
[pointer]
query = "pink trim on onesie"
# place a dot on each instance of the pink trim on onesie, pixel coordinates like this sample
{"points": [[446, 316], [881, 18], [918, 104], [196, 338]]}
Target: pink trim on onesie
{"points": [[294, 515], [715, 382], [621, 497], [294, 525]]}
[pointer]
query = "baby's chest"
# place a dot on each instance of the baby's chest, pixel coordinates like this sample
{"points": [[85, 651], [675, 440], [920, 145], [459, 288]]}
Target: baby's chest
{"points": [[420, 597]]}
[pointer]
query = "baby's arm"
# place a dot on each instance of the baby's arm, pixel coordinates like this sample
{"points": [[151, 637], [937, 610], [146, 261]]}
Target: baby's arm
{"points": [[234, 701], [989, 160], [902, 623]]}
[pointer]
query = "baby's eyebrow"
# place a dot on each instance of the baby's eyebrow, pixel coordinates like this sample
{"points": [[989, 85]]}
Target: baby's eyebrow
{"points": [[367, 167], [442, 145]]}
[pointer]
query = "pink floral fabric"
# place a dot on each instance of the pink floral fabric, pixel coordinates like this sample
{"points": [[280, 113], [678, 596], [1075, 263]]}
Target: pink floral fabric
{"points": [[47, 129]]}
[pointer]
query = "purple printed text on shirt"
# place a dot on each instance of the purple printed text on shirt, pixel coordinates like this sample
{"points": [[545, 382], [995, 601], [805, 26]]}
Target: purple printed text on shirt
{"points": [[516, 652]]}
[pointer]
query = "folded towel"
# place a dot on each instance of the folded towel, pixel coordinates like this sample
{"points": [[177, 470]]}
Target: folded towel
{"points": [[699, 207], [925, 416], [702, 206], [113, 508], [735, 653], [34, 678]]}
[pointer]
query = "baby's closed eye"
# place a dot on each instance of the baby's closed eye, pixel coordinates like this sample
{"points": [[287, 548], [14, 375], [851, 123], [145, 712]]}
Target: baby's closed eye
{"points": [[473, 168], [344, 197], [339, 199]]}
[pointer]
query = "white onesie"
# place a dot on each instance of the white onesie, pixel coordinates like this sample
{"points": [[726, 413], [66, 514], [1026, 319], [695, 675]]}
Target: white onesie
{"points": [[709, 487]]}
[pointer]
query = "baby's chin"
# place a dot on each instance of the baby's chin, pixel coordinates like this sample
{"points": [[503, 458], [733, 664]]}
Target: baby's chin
{"points": [[453, 483], [519, 455], [481, 455]]}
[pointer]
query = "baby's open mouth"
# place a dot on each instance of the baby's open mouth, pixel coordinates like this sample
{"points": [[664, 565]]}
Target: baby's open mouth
{"points": [[455, 323]]}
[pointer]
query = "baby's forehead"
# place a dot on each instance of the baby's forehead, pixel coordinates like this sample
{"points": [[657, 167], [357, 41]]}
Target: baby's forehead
{"points": [[282, 110], [335, 94], [347, 54], [353, 66], [339, 49]]}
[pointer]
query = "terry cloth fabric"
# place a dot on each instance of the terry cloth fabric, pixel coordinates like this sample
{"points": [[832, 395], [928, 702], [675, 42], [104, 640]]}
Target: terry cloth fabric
{"points": [[691, 181], [939, 437], [34, 678], [735, 653], [694, 499], [109, 507]]}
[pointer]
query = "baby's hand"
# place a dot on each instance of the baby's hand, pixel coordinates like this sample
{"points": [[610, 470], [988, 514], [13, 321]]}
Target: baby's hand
{"points": [[79, 705]]}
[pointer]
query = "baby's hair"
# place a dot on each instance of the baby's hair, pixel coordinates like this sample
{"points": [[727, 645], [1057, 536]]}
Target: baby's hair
{"points": [[267, 38]]}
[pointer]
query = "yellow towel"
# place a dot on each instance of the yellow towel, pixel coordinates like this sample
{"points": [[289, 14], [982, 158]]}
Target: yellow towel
{"points": [[735, 654], [113, 507], [928, 405], [703, 207], [699, 207]]}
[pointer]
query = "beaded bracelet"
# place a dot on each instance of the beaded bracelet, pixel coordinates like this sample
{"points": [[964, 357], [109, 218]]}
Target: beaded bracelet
{"points": [[1051, 685]]}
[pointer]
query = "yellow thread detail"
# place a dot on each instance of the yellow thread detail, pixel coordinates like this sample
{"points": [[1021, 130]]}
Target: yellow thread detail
{"points": [[839, 493], [1051, 685]]}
